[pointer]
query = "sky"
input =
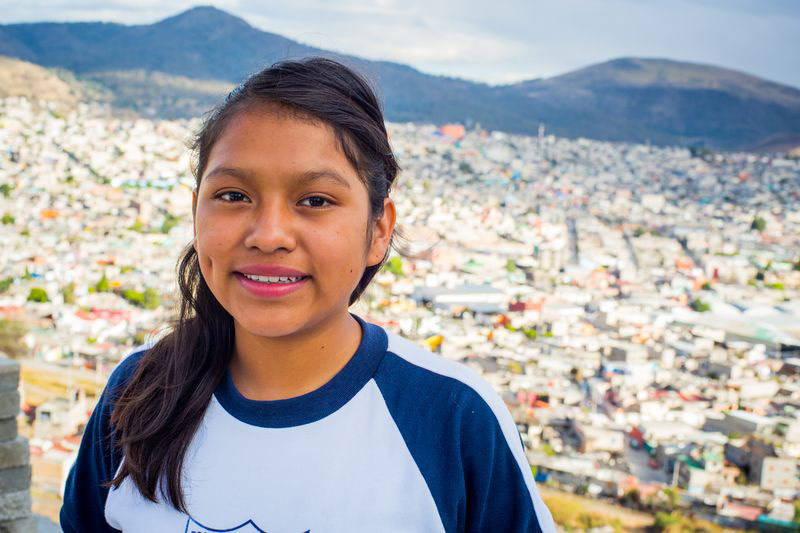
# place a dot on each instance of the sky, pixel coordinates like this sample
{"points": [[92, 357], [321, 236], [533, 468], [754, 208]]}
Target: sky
{"points": [[499, 41]]}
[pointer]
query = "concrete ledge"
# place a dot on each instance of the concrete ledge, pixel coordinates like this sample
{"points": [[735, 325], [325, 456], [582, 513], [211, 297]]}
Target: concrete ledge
{"points": [[9, 374], [22, 525], [15, 505], [14, 453], [8, 428], [15, 479], [9, 403]]}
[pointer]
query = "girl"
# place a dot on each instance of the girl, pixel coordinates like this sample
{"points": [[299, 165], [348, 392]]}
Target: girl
{"points": [[269, 407]]}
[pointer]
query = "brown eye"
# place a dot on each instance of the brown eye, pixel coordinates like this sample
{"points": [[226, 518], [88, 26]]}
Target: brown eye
{"points": [[232, 196], [315, 201]]}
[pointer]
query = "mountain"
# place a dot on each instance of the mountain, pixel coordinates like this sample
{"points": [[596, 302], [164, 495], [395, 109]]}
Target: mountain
{"points": [[152, 68], [669, 102], [58, 86]]}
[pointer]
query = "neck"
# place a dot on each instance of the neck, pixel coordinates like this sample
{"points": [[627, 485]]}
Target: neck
{"points": [[267, 368]]}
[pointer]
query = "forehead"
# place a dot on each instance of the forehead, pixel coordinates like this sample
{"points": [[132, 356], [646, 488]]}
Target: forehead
{"points": [[277, 141]]}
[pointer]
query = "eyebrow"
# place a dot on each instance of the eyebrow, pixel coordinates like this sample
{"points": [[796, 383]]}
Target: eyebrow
{"points": [[304, 178]]}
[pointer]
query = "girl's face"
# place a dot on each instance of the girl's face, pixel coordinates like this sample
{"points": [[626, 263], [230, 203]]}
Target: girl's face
{"points": [[281, 224]]}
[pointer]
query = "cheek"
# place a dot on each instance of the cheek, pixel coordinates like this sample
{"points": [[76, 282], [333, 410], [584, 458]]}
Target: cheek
{"points": [[211, 243], [344, 245]]}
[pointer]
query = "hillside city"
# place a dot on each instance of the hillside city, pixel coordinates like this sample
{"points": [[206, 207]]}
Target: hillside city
{"points": [[637, 307]]}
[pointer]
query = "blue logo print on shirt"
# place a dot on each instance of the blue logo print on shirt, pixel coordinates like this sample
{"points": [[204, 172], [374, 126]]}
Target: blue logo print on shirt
{"points": [[193, 526]]}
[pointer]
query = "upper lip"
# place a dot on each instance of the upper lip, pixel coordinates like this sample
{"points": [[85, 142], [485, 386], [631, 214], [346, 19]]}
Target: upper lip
{"points": [[271, 270]]}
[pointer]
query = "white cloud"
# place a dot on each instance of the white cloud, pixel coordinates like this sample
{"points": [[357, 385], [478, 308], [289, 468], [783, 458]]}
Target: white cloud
{"points": [[497, 41]]}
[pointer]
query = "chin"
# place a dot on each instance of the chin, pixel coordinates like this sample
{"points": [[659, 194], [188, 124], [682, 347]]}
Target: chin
{"points": [[270, 328]]}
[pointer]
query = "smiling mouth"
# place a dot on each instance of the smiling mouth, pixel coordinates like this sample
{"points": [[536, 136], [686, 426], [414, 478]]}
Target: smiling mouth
{"points": [[277, 280]]}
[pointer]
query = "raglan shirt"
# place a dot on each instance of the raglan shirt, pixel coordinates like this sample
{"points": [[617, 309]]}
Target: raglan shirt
{"points": [[399, 440]]}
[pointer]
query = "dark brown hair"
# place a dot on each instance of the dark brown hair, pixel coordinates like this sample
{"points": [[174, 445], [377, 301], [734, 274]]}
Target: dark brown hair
{"points": [[159, 410]]}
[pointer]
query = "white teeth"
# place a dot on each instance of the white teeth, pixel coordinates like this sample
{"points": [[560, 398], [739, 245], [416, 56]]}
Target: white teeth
{"points": [[274, 279]]}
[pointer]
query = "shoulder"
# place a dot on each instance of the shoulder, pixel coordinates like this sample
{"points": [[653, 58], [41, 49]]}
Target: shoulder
{"points": [[463, 440], [125, 369], [460, 386]]}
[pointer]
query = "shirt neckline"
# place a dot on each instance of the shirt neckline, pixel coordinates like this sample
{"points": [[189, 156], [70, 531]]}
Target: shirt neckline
{"points": [[318, 403]]}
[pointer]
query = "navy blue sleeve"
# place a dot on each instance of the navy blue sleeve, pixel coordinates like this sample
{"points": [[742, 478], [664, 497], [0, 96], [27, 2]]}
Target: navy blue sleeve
{"points": [[457, 443], [85, 496]]}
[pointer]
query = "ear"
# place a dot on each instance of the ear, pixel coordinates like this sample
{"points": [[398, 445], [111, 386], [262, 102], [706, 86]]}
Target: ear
{"points": [[382, 233]]}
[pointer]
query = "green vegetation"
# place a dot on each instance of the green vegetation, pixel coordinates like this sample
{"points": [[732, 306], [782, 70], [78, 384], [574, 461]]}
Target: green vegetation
{"points": [[776, 286], [706, 286], [758, 224], [672, 498], [11, 334], [465, 167], [394, 265], [151, 299], [676, 522], [8, 219], [5, 284], [68, 292], [665, 520], [5, 189], [134, 297], [511, 266], [137, 226], [103, 285], [632, 498], [700, 306], [170, 221], [530, 333], [548, 450], [37, 294], [573, 518]]}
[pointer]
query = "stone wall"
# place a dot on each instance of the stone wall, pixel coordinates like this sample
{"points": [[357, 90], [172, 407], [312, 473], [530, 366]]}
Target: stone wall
{"points": [[15, 468]]}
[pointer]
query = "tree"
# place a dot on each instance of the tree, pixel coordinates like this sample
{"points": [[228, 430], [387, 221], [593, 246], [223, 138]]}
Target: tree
{"points": [[151, 299], [170, 221], [5, 189], [11, 334], [103, 285], [5, 284], [8, 219], [134, 297], [394, 265], [758, 224], [672, 497], [665, 520], [511, 265], [68, 292], [700, 306], [137, 226], [37, 294], [632, 498]]}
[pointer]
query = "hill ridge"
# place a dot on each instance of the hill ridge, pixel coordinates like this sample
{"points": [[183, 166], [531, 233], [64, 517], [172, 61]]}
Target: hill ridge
{"points": [[624, 99]]}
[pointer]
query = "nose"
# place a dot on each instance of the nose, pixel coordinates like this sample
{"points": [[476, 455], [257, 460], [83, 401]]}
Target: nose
{"points": [[271, 228]]}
